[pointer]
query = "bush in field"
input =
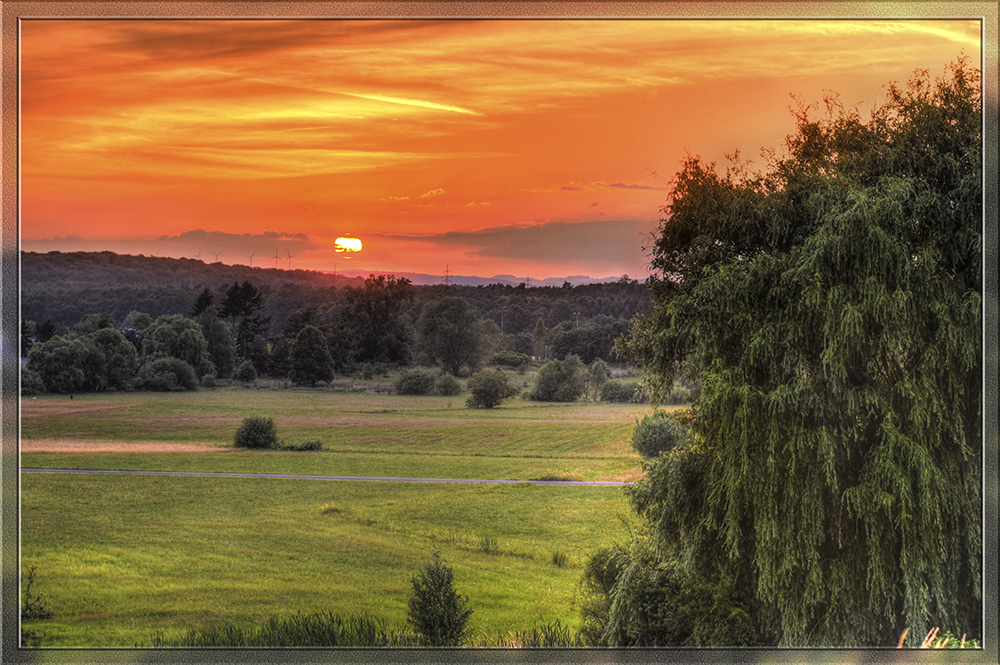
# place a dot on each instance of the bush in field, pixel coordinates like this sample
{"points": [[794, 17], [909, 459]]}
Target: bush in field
{"points": [[167, 375], [447, 386], [560, 381], [489, 388], [256, 432], [622, 392], [437, 612], [658, 433], [246, 372], [415, 382], [679, 395], [518, 361], [31, 383]]}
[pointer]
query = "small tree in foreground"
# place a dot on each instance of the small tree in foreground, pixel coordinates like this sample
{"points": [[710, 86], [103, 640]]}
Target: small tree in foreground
{"points": [[437, 612], [489, 389]]}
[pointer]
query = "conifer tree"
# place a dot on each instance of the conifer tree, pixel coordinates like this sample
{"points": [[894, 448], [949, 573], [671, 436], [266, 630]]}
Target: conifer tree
{"points": [[310, 357], [832, 308]]}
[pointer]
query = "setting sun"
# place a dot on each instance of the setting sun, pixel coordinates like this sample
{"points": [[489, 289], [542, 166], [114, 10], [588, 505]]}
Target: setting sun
{"points": [[348, 245]]}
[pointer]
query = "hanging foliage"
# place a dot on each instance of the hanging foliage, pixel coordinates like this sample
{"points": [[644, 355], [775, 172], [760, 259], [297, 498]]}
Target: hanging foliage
{"points": [[832, 308]]}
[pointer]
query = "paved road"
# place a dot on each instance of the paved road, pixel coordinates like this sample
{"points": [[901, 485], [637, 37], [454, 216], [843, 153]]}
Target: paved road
{"points": [[300, 477]]}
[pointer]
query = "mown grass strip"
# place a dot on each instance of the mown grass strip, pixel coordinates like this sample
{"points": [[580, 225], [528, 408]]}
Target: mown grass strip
{"points": [[494, 481]]}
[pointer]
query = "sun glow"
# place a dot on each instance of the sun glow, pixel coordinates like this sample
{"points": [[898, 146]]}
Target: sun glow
{"points": [[348, 245]]}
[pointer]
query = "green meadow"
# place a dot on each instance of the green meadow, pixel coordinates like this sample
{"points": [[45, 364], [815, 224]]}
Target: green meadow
{"points": [[124, 559]]}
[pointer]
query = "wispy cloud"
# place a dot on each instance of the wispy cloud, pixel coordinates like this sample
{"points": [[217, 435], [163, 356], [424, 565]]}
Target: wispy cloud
{"points": [[594, 243]]}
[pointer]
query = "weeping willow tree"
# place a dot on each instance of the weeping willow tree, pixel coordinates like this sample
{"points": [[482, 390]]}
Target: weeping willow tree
{"points": [[832, 309]]}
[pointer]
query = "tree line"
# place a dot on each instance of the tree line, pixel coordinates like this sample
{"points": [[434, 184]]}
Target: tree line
{"points": [[383, 322]]}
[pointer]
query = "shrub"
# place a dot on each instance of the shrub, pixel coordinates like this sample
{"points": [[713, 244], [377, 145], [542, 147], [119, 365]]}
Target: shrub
{"points": [[166, 375], [256, 432], [438, 614], [518, 361], [489, 388], [679, 395], [246, 372], [658, 433], [447, 386], [560, 381], [600, 573], [208, 381], [34, 606], [314, 629], [31, 383], [415, 382], [312, 444], [622, 392], [653, 603]]}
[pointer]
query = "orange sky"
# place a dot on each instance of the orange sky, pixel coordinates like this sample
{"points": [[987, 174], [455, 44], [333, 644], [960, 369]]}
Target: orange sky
{"points": [[516, 147]]}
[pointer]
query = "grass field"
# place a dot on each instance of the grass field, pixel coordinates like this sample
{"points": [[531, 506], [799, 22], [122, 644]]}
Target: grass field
{"points": [[120, 559]]}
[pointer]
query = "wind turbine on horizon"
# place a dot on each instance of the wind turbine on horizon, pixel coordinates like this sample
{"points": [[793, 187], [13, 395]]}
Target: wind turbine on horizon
{"points": [[290, 257], [276, 257], [251, 257], [217, 255]]}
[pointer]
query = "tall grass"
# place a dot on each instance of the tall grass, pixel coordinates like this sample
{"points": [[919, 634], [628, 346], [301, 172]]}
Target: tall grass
{"points": [[329, 629], [314, 629]]}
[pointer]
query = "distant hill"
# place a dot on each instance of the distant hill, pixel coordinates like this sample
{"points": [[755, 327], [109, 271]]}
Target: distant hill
{"points": [[66, 286], [59, 271], [421, 279]]}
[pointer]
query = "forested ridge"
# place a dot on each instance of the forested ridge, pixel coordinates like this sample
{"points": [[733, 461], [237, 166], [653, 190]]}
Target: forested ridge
{"points": [[66, 286]]}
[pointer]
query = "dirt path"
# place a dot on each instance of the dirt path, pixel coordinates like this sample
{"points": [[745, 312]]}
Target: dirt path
{"points": [[63, 446]]}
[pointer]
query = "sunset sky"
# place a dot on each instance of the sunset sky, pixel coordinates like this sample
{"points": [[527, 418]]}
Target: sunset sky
{"points": [[538, 148]]}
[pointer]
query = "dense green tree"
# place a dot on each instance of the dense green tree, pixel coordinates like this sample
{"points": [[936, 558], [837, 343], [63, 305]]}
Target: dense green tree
{"points": [[119, 361], [92, 323], [597, 375], [65, 366], [219, 341], [539, 339], [246, 372], [300, 318], [176, 336], [310, 357], [375, 325], [243, 304], [416, 381], [45, 331], [489, 389], [279, 357], [450, 333], [31, 383], [167, 374], [560, 381], [659, 432], [832, 308]]}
